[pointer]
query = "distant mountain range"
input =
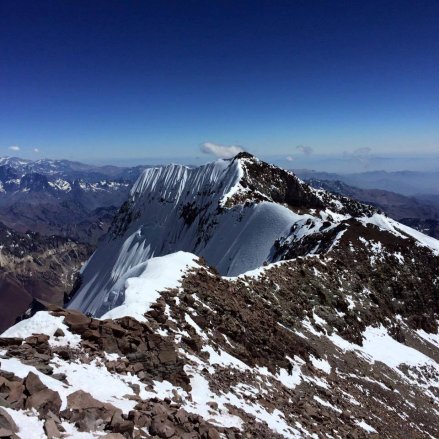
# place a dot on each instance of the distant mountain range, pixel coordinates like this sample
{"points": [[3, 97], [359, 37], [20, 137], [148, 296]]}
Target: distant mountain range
{"points": [[61, 197], [71, 170]]}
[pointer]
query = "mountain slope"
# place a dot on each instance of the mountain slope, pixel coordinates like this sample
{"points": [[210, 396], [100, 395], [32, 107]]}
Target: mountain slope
{"points": [[35, 267], [410, 211], [334, 333], [235, 214], [304, 348]]}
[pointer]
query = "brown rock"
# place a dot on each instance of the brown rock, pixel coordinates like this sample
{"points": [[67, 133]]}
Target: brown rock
{"points": [[4, 432], [6, 421], [140, 419], [51, 429], [168, 356], [64, 353], [4, 403], [13, 393], [8, 375], [112, 436], [87, 412], [161, 429], [33, 384], [181, 416], [137, 367], [120, 425], [37, 339], [59, 333], [77, 321], [10, 341], [81, 400], [212, 433], [44, 401]]}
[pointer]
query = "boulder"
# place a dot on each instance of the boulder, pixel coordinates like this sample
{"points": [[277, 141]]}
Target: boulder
{"points": [[181, 416], [77, 321], [88, 413], [12, 393], [212, 433], [59, 333], [33, 384], [167, 356], [161, 428], [51, 429], [5, 433], [6, 421], [120, 425], [44, 401], [10, 341], [81, 400]]}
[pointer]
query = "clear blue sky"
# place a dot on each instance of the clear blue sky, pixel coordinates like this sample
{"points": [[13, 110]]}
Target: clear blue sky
{"points": [[102, 80]]}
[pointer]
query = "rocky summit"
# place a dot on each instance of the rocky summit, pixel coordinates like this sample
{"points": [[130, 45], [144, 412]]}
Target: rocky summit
{"points": [[235, 301]]}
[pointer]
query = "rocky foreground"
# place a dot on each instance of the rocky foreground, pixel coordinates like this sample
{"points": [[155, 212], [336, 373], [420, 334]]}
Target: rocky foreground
{"points": [[270, 354]]}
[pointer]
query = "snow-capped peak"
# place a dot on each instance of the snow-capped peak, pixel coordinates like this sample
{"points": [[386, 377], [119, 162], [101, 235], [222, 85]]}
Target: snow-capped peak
{"points": [[238, 214]]}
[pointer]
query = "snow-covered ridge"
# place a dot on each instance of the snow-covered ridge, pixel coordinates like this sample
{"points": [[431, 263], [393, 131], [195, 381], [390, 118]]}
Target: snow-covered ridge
{"points": [[175, 183], [238, 214]]}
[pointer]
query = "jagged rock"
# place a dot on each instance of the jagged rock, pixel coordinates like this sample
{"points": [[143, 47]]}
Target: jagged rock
{"points": [[181, 416], [59, 333], [43, 401], [76, 321], [160, 428], [120, 425], [33, 384], [59, 376], [6, 421], [51, 429], [88, 413], [10, 341], [12, 391]]}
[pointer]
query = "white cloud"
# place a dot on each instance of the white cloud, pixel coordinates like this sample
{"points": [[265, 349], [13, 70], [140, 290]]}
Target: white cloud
{"points": [[221, 151], [290, 158], [307, 150], [14, 148], [36, 150]]}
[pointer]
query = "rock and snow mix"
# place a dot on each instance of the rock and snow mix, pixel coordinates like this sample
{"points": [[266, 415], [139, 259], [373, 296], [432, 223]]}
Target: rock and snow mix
{"points": [[335, 336]]}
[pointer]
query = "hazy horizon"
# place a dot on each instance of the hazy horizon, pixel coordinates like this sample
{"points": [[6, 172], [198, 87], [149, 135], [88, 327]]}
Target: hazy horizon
{"points": [[340, 164]]}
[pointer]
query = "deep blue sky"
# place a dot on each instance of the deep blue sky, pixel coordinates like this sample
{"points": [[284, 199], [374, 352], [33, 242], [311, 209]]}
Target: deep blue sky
{"points": [[101, 80]]}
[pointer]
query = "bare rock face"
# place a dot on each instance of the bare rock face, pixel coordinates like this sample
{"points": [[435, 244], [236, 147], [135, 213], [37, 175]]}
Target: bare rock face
{"points": [[35, 268]]}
